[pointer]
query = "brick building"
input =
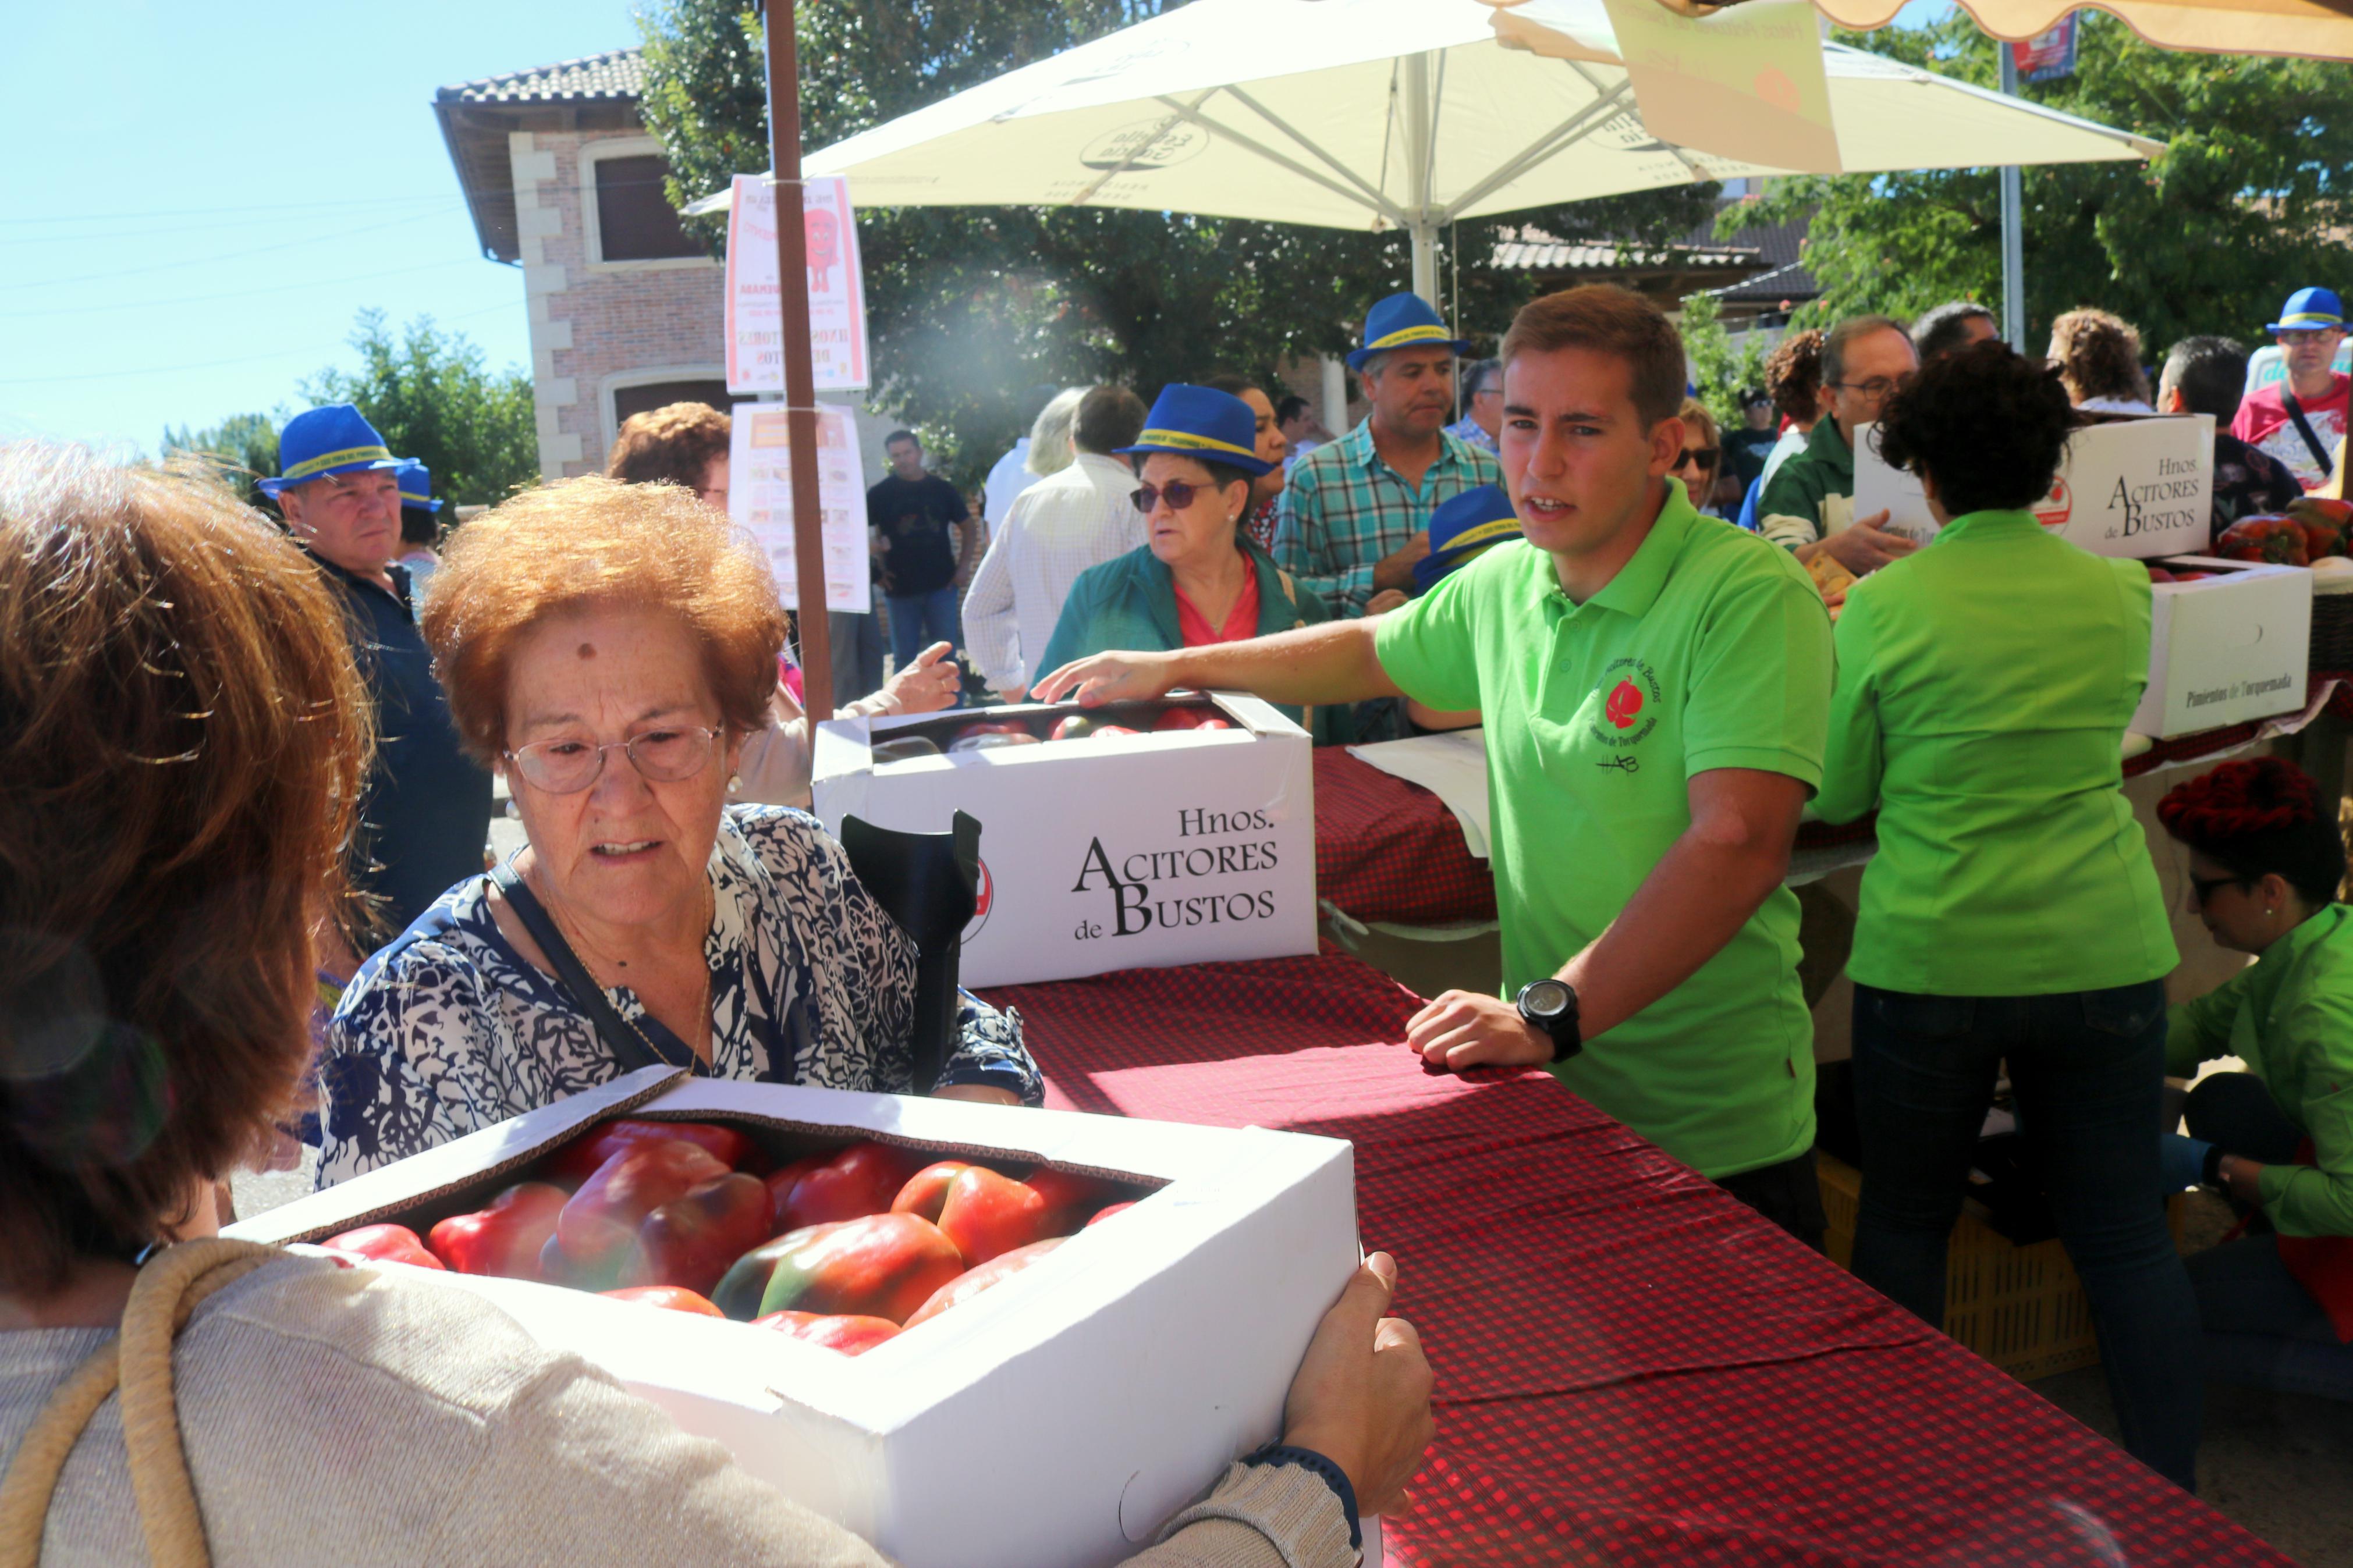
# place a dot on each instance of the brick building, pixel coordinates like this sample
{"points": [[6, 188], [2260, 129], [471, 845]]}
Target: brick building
{"points": [[564, 182]]}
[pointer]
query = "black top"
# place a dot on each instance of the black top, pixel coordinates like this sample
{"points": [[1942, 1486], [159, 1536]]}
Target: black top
{"points": [[2248, 481], [1748, 449], [915, 517], [425, 813]]}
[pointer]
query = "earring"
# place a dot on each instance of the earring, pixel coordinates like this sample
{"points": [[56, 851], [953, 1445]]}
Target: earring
{"points": [[736, 784]]}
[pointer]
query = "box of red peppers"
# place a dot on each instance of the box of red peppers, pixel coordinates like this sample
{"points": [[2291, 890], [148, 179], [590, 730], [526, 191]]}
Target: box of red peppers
{"points": [[877, 1302]]}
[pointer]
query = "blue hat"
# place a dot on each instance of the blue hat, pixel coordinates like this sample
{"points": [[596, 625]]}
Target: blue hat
{"points": [[1404, 320], [2310, 310], [1464, 527], [1197, 422], [415, 481], [336, 439]]}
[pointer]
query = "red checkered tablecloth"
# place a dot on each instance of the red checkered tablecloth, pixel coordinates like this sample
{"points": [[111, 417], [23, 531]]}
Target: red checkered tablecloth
{"points": [[1630, 1367], [1389, 850]]}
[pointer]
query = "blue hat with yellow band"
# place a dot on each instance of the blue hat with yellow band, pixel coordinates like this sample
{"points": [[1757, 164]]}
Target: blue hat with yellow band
{"points": [[416, 482], [1201, 422], [336, 439], [1463, 529], [1404, 322], [2310, 310]]}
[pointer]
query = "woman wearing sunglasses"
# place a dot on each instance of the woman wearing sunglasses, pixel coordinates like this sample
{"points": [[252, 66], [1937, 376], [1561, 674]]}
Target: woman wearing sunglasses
{"points": [[1701, 460], [2265, 859], [1199, 577], [609, 647]]}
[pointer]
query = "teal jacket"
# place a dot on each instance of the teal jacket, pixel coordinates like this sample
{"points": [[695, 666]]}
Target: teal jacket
{"points": [[1129, 602]]}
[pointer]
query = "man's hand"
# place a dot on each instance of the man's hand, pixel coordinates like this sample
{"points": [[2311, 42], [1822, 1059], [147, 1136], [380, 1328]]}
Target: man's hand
{"points": [[1864, 546], [1463, 1028], [978, 1093], [1361, 1397], [1382, 603], [926, 686], [1109, 678], [1396, 570]]}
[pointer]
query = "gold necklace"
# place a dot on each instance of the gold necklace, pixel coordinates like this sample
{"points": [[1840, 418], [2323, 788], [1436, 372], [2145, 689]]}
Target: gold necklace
{"points": [[591, 961]]}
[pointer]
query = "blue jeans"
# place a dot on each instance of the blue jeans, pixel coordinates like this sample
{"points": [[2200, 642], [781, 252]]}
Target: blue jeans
{"points": [[2089, 1070], [919, 620]]}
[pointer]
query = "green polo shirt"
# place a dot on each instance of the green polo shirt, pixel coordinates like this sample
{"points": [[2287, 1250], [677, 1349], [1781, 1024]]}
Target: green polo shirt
{"points": [[1709, 649], [1984, 686]]}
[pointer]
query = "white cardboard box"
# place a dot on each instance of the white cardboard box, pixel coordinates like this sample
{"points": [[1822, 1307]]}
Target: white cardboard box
{"points": [[2132, 487], [2232, 648], [1056, 1421], [1123, 852]]}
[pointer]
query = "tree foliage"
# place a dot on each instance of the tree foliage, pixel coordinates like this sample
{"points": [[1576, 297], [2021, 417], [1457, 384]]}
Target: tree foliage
{"points": [[1719, 370], [2249, 200], [968, 306], [427, 392], [240, 450]]}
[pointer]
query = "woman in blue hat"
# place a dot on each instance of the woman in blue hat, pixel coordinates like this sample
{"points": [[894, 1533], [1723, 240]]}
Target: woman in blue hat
{"points": [[1198, 578]]}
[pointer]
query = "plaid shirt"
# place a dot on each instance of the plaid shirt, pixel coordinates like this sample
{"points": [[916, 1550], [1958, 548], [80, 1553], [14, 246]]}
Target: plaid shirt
{"points": [[1344, 508]]}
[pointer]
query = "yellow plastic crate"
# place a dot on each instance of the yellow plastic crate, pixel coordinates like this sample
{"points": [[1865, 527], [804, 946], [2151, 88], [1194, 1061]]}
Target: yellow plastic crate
{"points": [[2020, 1308]]}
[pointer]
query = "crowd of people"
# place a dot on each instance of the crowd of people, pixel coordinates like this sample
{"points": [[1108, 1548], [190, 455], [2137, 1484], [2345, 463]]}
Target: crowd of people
{"points": [[252, 761]]}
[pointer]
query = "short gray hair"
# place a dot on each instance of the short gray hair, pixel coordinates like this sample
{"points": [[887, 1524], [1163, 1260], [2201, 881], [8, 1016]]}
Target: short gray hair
{"points": [[1050, 433], [1481, 371]]}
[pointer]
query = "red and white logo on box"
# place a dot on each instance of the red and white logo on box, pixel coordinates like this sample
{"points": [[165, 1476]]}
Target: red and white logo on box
{"points": [[2056, 508]]}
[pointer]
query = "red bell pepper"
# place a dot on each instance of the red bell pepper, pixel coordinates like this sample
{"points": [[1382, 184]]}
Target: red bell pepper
{"points": [[1103, 1214], [675, 1298], [504, 1237], [884, 1265], [862, 1180], [2326, 523], [601, 1220], [577, 1161], [987, 1214], [1180, 718], [385, 1244], [784, 1178], [2269, 538], [927, 1189], [848, 1334], [1070, 1197], [972, 1281], [691, 1241]]}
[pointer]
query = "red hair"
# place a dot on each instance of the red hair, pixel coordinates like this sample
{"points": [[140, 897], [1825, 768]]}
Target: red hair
{"points": [[2238, 799]]}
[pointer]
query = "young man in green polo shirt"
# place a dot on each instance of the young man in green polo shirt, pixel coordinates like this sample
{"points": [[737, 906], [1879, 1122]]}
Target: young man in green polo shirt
{"points": [[1656, 687]]}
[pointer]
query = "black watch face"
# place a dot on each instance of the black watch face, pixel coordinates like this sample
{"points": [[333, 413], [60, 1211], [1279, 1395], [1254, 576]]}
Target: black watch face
{"points": [[1545, 998]]}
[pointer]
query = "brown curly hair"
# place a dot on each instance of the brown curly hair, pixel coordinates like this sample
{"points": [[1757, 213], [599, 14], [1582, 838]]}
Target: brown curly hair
{"points": [[595, 542], [183, 740], [1793, 377], [673, 444], [2260, 816], [2098, 355]]}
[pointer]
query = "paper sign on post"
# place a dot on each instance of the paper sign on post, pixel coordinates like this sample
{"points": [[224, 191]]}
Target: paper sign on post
{"points": [[760, 498], [836, 290], [1746, 83]]}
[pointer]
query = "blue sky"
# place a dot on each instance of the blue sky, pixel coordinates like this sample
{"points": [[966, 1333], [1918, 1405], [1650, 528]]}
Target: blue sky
{"points": [[201, 198]]}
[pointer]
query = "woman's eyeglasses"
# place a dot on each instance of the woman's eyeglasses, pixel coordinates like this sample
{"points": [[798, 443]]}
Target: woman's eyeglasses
{"points": [[1705, 456], [2203, 886], [567, 767], [1176, 492]]}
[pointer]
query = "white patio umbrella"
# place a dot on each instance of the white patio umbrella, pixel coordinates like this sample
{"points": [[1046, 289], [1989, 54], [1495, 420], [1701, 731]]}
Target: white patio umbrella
{"points": [[1382, 114]]}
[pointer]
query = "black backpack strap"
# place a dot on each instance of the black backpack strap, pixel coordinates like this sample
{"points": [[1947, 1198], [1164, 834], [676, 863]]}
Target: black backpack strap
{"points": [[2320, 454], [628, 1044]]}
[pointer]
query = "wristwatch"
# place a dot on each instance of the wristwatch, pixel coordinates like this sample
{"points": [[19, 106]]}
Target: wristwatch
{"points": [[1549, 1008]]}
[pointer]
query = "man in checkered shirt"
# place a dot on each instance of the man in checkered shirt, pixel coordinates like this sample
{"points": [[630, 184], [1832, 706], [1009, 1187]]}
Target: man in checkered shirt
{"points": [[1354, 517]]}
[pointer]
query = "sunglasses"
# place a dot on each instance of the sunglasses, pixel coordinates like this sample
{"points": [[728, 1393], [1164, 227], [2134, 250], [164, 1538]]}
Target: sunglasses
{"points": [[1705, 456], [1176, 492], [2205, 887]]}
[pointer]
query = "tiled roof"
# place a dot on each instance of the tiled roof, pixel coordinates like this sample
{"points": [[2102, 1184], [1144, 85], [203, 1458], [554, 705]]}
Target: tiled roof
{"points": [[617, 75], [1548, 255]]}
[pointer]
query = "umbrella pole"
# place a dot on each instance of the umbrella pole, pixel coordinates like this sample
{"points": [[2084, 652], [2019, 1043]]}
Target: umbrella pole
{"points": [[800, 376], [2014, 241]]}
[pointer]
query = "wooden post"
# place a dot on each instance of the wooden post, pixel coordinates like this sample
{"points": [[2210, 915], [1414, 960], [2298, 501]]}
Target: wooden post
{"points": [[801, 377]]}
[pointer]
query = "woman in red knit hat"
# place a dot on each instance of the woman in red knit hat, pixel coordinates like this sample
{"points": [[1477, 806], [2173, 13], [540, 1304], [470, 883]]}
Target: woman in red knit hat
{"points": [[2265, 859]]}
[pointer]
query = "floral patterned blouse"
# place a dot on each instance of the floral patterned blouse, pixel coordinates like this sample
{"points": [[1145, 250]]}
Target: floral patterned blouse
{"points": [[450, 1029]]}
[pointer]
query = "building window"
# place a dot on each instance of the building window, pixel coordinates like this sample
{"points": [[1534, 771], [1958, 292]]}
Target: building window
{"points": [[634, 221], [651, 394]]}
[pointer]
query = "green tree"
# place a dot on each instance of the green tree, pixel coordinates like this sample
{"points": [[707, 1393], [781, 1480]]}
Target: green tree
{"points": [[427, 392], [965, 306], [241, 448], [2250, 199], [1718, 369]]}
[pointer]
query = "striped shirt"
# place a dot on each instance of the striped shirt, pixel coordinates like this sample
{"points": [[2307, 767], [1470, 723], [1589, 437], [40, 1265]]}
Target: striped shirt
{"points": [[1344, 508]]}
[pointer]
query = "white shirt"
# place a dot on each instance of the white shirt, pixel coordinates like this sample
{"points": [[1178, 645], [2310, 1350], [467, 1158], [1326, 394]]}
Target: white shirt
{"points": [[1059, 527], [1792, 442], [1005, 481]]}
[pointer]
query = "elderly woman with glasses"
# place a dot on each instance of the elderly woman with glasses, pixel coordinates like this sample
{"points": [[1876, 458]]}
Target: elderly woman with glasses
{"points": [[609, 647], [1198, 578]]}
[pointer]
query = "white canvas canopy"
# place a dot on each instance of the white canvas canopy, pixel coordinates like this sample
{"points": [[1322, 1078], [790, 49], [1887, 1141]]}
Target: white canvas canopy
{"points": [[1389, 114]]}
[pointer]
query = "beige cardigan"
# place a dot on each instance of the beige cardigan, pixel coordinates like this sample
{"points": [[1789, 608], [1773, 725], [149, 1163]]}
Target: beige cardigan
{"points": [[335, 1414]]}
